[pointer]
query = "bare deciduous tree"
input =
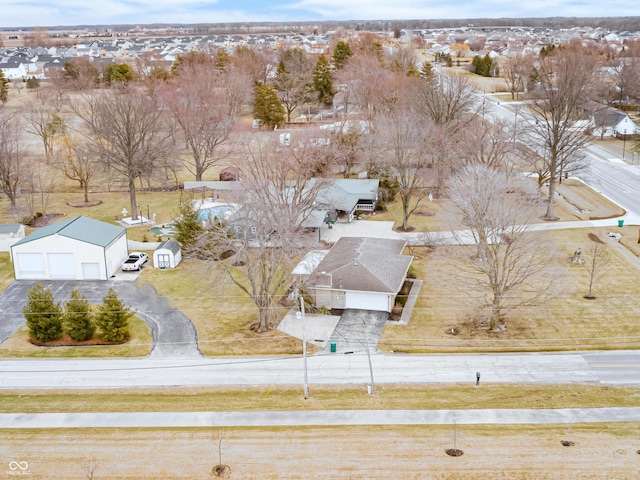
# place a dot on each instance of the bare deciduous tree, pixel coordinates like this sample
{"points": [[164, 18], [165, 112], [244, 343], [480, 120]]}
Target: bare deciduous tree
{"points": [[266, 232], [515, 69], [484, 143], [565, 82], [90, 467], [597, 262], [364, 83], [43, 119], [293, 80], [204, 102], [512, 265], [77, 162], [127, 132], [445, 98], [14, 166], [403, 140]]}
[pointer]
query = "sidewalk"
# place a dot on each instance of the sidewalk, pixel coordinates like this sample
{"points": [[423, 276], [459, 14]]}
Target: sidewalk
{"points": [[319, 418]]}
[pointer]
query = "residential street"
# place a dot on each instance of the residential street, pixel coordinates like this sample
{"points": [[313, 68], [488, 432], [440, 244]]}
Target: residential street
{"points": [[614, 368]]}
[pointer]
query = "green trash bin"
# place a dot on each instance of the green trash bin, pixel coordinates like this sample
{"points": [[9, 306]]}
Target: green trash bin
{"points": [[620, 223], [332, 344]]}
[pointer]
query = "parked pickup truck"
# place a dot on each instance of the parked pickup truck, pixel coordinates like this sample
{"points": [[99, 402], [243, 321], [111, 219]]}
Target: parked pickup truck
{"points": [[134, 262]]}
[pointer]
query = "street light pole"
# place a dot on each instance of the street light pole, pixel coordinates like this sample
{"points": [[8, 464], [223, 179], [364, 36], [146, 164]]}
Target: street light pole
{"points": [[624, 142]]}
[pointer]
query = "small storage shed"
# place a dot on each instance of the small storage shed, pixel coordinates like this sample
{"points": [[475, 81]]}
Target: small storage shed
{"points": [[79, 248], [10, 233], [167, 255]]}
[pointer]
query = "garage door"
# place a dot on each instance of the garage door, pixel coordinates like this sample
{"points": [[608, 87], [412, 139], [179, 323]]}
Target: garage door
{"points": [[30, 265], [367, 301], [91, 271], [61, 266]]}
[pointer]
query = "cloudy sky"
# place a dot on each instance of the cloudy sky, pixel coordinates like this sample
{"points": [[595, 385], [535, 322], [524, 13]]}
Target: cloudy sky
{"points": [[17, 13]]}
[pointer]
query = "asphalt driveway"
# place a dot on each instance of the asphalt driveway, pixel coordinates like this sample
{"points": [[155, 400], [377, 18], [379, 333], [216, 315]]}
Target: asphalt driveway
{"points": [[174, 336]]}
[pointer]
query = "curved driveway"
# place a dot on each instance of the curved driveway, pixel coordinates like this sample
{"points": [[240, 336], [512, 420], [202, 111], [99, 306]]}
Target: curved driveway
{"points": [[173, 333]]}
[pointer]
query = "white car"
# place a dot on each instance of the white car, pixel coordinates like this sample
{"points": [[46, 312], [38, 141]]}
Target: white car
{"points": [[134, 262]]}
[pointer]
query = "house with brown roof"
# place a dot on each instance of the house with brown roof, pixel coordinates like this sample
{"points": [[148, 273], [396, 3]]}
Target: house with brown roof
{"points": [[360, 273]]}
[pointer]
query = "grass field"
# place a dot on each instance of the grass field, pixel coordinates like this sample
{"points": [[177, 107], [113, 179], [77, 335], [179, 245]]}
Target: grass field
{"points": [[322, 397], [500, 452]]}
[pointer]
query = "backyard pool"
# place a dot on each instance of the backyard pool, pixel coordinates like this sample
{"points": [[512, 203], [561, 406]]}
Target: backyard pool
{"points": [[220, 211]]}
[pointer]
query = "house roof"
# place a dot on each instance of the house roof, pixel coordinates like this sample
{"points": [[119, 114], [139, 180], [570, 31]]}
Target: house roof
{"points": [[83, 229], [344, 194], [363, 264]]}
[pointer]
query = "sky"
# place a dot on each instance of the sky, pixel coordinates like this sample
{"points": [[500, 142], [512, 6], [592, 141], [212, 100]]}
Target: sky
{"points": [[46, 13]]}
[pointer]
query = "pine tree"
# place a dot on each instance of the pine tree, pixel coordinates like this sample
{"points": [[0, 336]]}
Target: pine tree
{"points": [[112, 318], [4, 88], [77, 320], [323, 81], [187, 226], [267, 107], [341, 54], [44, 316]]}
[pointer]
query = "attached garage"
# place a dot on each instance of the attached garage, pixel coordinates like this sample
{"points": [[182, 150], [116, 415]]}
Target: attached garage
{"points": [[369, 301], [76, 249]]}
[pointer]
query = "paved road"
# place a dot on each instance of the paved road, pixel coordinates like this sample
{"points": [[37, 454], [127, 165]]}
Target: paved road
{"points": [[323, 369], [173, 333], [319, 417]]}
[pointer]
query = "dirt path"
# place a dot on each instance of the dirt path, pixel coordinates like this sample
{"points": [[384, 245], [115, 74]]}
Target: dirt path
{"points": [[398, 452]]}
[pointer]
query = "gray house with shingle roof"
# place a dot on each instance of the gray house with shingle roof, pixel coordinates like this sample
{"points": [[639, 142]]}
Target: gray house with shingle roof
{"points": [[360, 272], [79, 248]]}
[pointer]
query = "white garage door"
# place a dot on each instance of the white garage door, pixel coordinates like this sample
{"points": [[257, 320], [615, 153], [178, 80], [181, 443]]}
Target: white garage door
{"points": [[61, 266], [30, 265], [367, 301], [91, 271]]}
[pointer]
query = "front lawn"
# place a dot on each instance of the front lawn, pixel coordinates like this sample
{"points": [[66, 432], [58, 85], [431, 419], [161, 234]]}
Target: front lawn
{"points": [[139, 345], [568, 322]]}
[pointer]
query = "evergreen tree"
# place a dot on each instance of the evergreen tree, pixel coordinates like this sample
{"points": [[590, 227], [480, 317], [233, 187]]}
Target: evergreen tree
{"points": [[427, 70], [4, 88], [32, 83], [341, 53], [483, 66], [77, 320], [412, 71], [187, 226], [267, 107], [323, 81], [112, 318], [117, 72], [44, 316]]}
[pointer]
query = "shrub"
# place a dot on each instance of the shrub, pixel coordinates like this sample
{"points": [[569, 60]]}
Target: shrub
{"points": [[44, 316], [77, 320], [112, 318]]}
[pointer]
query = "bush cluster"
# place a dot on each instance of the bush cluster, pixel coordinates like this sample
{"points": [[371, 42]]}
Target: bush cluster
{"points": [[48, 320]]}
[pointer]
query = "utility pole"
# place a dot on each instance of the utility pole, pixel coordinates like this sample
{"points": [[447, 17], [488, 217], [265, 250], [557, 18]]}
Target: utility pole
{"points": [[304, 347]]}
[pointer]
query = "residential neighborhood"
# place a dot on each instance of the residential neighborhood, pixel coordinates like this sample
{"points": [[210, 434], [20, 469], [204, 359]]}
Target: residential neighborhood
{"points": [[262, 251]]}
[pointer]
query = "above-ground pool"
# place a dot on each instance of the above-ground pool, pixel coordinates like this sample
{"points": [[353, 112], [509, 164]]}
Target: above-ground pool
{"points": [[219, 211]]}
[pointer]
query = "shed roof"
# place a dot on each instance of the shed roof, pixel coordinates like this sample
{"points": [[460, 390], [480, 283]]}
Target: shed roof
{"points": [[171, 245], [10, 228], [83, 229], [363, 264]]}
